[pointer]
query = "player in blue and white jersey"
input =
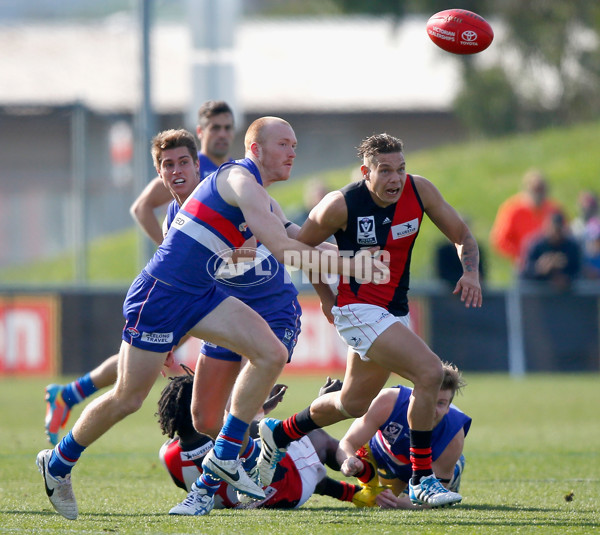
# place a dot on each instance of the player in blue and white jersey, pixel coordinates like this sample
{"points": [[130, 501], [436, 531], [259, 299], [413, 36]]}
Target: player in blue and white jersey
{"points": [[264, 285], [376, 447], [177, 293], [215, 131]]}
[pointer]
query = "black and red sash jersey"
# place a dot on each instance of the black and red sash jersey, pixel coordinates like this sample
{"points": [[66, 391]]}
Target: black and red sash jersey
{"points": [[185, 466], [394, 229]]}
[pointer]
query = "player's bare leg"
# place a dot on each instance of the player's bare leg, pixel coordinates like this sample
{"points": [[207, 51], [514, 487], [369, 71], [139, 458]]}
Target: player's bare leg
{"points": [[236, 326], [213, 383], [137, 373]]}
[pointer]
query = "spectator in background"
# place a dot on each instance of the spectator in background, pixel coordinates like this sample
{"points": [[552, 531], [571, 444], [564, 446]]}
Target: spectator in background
{"points": [[591, 253], [586, 230], [521, 216], [554, 256], [587, 204]]}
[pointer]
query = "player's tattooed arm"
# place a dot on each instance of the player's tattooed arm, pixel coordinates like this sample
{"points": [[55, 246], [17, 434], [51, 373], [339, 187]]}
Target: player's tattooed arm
{"points": [[469, 256]]}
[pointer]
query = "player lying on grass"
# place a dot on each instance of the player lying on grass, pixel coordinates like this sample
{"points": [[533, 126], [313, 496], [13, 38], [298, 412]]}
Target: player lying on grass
{"points": [[300, 473], [375, 448]]}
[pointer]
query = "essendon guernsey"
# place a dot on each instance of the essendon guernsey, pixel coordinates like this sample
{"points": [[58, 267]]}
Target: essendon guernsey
{"points": [[393, 228]]}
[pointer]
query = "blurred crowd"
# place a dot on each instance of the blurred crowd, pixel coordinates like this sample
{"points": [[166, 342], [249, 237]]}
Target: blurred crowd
{"points": [[532, 229]]}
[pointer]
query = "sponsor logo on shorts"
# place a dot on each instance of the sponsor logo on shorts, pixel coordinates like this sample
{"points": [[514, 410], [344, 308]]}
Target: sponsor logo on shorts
{"points": [[355, 341], [405, 229], [365, 230], [382, 317], [157, 338], [133, 332]]}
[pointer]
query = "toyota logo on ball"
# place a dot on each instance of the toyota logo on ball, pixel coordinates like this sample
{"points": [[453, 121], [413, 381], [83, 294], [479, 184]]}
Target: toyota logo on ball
{"points": [[469, 35]]}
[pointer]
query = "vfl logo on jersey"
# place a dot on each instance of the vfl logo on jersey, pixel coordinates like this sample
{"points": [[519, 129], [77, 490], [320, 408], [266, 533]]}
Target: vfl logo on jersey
{"points": [[405, 229], [243, 226], [392, 431], [157, 338], [365, 231]]}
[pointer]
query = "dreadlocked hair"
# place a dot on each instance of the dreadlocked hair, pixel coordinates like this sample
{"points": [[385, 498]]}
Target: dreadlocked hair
{"points": [[174, 412]]}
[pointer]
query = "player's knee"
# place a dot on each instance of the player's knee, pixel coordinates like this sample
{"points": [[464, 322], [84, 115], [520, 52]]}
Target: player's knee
{"points": [[208, 424], [352, 408], [431, 376], [130, 404], [274, 356]]}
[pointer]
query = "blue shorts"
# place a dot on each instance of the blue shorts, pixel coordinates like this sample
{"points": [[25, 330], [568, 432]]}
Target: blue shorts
{"points": [[158, 315], [285, 323]]}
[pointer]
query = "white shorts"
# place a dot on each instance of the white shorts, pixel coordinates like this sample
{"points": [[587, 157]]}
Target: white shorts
{"points": [[310, 468], [360, 324]]}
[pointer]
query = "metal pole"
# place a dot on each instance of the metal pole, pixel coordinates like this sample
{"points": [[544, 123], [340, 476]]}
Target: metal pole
{"points": [[79, 212], [514, 321], [144, 125]]}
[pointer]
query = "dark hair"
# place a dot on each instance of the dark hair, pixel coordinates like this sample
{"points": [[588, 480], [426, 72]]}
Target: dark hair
{"points": [[172, 139], [379, 144], [211, 108], [174, 407]]}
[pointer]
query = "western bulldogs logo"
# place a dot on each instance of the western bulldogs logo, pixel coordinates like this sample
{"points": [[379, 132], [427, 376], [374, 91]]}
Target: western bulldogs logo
{"points": [[133, 332], [365, 231]]}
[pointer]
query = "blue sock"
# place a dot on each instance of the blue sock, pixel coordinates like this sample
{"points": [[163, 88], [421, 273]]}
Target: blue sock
{"points": [[78, 390], [64, 456], [250, 454], [229, 441], [208, 483]]}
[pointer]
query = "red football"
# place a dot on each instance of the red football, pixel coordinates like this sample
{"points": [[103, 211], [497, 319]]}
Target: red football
{"points": [[460, 31]]}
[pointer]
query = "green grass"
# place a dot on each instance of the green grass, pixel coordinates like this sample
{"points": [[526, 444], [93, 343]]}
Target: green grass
{"points": [[475, 177], [532, 441]]}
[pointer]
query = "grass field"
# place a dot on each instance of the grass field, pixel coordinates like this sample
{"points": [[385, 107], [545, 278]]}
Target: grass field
{"points": [[532, 442]]}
